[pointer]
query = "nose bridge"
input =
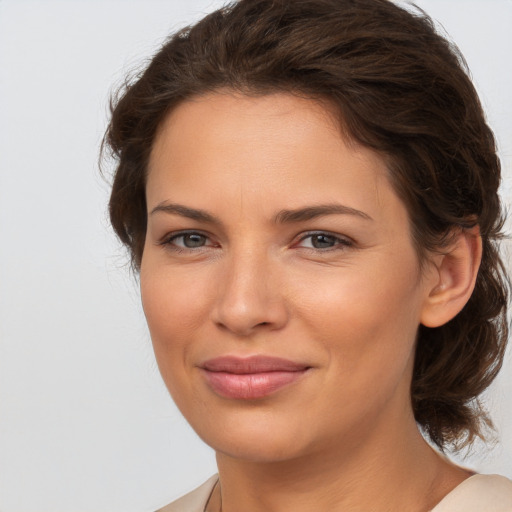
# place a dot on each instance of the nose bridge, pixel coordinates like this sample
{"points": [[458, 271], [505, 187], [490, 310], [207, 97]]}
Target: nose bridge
{"points": [[249, 297]]}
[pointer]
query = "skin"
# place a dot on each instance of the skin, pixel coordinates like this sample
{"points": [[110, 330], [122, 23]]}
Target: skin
{"points": [[342, 437]]}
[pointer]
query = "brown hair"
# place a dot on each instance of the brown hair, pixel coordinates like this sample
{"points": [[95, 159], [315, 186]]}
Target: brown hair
{"points": [[400, 89]]}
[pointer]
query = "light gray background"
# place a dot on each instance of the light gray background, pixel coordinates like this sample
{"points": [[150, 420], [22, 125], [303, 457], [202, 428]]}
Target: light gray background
{"points": [[85, 422]]}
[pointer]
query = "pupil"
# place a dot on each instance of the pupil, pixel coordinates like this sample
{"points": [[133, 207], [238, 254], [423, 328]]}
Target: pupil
{"points": [[322, 241], [193, 240]]}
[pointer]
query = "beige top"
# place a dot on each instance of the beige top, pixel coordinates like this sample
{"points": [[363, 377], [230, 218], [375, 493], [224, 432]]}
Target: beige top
{"points": [[478, 493]]}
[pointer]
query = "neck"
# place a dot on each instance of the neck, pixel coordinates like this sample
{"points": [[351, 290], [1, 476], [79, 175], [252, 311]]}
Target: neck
{"points": [[383, 469]]}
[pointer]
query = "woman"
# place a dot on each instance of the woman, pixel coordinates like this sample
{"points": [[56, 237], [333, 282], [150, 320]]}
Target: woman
{"points": [[309, 191]]}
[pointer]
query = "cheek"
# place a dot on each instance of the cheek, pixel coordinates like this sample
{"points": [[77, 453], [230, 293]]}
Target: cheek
{"points": [[173, 301], [175, 307], [365, 318], [368, 331]]}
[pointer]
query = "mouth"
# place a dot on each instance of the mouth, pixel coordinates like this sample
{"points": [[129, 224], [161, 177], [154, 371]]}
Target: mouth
{"points": [[250, 378]]}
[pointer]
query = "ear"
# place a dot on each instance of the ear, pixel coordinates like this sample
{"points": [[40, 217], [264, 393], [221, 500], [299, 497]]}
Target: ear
{"points": [[452, 278]]}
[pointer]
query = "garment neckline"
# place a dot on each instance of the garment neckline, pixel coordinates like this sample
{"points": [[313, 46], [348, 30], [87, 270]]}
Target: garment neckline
{"points": [[214, 482]]}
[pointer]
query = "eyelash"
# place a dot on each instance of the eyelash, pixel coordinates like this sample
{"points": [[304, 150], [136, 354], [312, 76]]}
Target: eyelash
{"points": [[340, 243], [169, 241]]}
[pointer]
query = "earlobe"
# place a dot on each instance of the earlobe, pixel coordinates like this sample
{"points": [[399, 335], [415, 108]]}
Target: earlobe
{"points": [[453, 278]]}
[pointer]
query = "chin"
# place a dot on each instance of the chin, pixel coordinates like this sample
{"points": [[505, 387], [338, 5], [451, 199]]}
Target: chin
{"points": [[253, 439], [262, 449]]}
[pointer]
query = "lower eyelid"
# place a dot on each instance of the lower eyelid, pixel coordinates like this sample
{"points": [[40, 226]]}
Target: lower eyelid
{"points": [[169, 241]]}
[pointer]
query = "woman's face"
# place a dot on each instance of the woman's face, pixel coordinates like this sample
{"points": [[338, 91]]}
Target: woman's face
{"points": [[279, 281]]}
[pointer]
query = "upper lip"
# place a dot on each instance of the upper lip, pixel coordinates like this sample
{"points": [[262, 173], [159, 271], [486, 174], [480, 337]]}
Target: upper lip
{"points": [[252, 364]]}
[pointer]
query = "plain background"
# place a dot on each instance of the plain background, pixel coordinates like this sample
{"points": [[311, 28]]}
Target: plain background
{"points": [[85, 421]]}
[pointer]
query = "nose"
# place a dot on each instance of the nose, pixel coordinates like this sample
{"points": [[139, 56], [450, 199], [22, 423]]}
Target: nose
{"points": [[249, 297]]}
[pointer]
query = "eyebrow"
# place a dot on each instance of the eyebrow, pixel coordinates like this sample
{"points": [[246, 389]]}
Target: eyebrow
{"points": [[282, 217], [312, 212], [184, 211]]}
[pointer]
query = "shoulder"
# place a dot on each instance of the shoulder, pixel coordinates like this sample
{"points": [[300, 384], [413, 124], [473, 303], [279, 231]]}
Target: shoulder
{"points": [[479, 493], [194, 501]]}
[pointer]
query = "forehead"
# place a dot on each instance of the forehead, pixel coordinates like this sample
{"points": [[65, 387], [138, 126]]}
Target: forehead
{"points": [[264, 150]]}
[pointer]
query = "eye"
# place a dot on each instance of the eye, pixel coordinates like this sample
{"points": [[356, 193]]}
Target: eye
{"points": [[324, 241], [187, 240]]}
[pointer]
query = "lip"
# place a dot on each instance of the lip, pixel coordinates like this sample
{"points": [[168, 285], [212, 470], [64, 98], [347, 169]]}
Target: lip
{"points": [[250, 378]]}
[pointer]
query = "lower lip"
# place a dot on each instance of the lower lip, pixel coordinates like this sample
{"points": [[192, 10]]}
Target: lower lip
{"points": [[250, 386]]}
